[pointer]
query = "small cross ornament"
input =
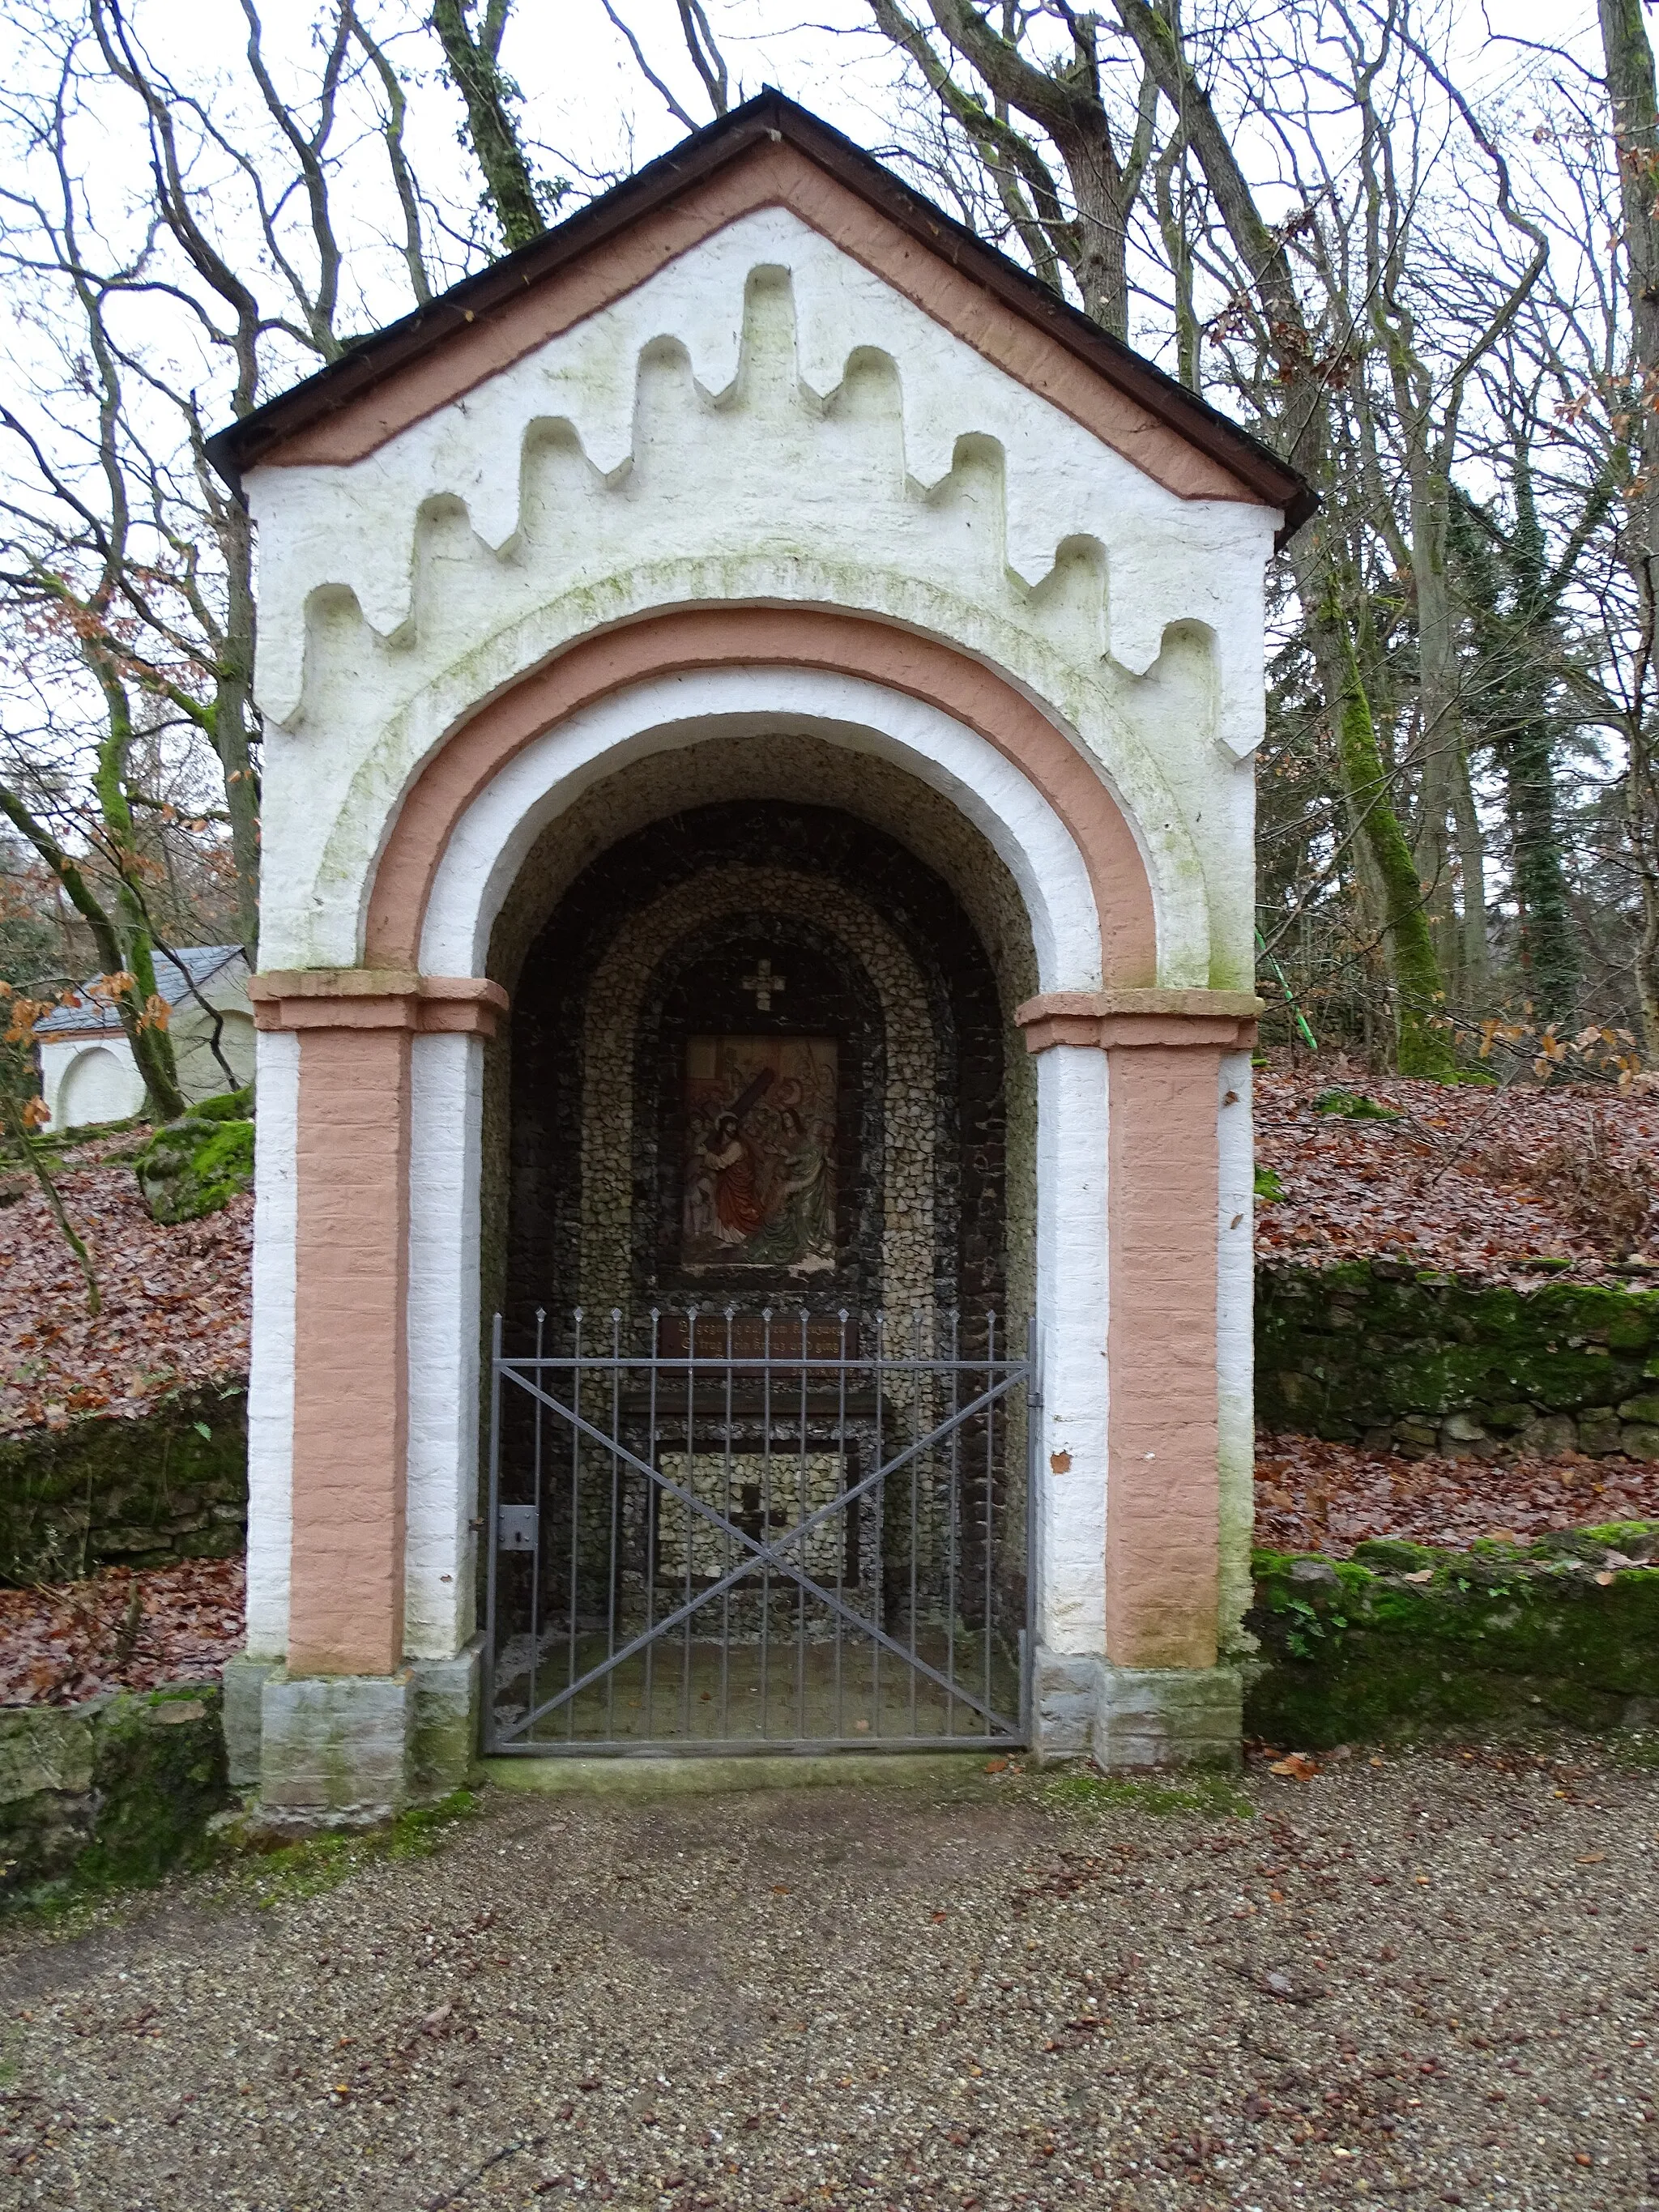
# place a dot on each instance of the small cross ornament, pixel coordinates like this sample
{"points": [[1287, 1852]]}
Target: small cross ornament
{"points": [[763, 983]]}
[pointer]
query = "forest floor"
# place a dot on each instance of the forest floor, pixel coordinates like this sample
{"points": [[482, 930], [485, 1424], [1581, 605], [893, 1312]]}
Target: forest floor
{"points": [[1484, 1182], [1422, 1978], [175, 1301]]}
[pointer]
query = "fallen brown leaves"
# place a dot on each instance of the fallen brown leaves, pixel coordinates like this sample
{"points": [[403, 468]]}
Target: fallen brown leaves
{"points": [[122, 1630], [1315, 1497], [1476, 1180], [175, 1300]]}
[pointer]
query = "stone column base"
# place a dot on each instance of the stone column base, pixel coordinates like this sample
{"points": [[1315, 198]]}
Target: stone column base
{"points": [[1168, 1717], [245, 1679], [1065, 1695], [349, 1750]]}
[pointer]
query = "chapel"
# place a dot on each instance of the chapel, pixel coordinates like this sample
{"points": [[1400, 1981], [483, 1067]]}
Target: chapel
{"points": [[755, 1003]]}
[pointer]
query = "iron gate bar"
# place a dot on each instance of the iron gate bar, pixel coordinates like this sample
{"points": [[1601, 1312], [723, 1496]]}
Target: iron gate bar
{"points": [[776, 1362], [1010, 1382], [766, 1555], [763, 1553]]}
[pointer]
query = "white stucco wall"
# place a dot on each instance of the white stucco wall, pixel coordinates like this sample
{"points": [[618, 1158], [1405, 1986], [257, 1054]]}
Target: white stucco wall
{"points": [[89, 1077], [763, 420], [1236, 1339], [270, 1374]]}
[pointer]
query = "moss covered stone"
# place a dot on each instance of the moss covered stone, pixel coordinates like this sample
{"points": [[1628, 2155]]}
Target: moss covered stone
{"points": [[168, 1485], [197, 1165], [1387, 1353], [159, 1775], [1504, 1637], [115, 1790]]}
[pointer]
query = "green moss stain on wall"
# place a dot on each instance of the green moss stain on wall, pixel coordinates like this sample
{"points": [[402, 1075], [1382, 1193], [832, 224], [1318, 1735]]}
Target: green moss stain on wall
{"points": [[114, 1791], [1403, 1641], [169, 1484], [1406, 1358]]}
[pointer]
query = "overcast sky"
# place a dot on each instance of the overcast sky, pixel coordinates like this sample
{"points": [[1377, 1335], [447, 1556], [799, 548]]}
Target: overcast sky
{"points": [[588, 97]]}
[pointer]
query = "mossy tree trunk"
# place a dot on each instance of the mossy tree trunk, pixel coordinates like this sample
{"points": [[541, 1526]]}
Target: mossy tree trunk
{"points": [[489, 96], [1299, 425], [1631, 89], [1420, 1047]]}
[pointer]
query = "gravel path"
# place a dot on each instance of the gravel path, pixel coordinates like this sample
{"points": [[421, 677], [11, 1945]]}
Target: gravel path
{"points": [[1428, 1982]]}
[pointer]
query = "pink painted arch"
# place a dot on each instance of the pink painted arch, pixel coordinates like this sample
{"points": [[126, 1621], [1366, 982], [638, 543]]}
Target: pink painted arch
{"points": [[753, 637]]}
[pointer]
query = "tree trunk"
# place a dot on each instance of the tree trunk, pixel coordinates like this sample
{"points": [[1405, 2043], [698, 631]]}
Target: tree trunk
{"points": [[1636, 123], [152, 1048], [1549, 951], [474, 66], [232, 736], [1474, 945], [1420, 1048], [1300, 433], [1440, 726]]}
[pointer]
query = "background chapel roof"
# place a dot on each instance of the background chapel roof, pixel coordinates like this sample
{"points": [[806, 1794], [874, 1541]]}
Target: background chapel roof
{"points": [[768, 118], [177, 974]]}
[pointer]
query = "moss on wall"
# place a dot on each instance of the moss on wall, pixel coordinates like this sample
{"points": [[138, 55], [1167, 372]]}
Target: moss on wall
{"points": [[197, 1165], [115, 1790], [1413, 1360], [1403, 1641], [171, 1484]]}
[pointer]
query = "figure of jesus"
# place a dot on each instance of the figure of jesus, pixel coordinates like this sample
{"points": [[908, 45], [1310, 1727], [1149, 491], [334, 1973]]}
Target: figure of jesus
{"points": [[730, 1165]]}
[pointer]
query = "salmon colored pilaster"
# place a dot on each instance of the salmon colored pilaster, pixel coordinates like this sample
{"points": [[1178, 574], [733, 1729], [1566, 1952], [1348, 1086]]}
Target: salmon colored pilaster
{"points": [[350, 1295], [1162, 1495], [1162, 1528], [350, 1424]]}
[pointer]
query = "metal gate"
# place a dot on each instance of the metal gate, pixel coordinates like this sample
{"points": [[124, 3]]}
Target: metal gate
{"points": [[718, 1532]]}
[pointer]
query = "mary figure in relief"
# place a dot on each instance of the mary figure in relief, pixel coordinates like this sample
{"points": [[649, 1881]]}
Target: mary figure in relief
{"points": [[800, 1213]]}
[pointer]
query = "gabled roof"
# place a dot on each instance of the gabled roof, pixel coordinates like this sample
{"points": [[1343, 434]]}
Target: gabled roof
{"points": [[768, 151], [177, 974]]}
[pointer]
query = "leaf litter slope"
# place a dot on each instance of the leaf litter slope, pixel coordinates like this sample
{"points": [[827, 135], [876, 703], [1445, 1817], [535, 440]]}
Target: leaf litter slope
{"points": [[1483, 1182], [119, 1631], [175, 1300]]}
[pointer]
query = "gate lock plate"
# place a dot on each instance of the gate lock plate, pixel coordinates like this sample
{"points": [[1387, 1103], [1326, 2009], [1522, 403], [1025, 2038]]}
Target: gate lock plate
{"points": [[515, 1528]]}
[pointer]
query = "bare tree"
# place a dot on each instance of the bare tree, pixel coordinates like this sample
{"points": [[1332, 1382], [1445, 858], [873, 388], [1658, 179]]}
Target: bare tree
{"points": [[1635, 115], [491, 101], [126, 566]]}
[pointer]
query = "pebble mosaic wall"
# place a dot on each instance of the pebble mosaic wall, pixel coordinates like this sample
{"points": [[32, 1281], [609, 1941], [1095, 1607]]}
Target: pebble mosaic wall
{"points": [[940, 1101], [858, 937]]}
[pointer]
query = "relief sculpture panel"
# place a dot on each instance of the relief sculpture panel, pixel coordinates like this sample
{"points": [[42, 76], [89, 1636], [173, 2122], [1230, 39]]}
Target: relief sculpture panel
{"points": [[759, 1181]]}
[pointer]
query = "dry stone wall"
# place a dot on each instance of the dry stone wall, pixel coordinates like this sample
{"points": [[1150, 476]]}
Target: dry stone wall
{"points": [[102, 1492], [1413, 1360]]}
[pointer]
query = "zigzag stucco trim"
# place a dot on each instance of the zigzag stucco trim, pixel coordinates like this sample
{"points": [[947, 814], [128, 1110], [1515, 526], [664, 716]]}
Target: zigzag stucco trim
{"points": [[768, 175]]}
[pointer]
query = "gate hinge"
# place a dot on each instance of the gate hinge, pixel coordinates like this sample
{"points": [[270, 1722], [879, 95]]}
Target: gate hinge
{"points": [[515, 1528]]}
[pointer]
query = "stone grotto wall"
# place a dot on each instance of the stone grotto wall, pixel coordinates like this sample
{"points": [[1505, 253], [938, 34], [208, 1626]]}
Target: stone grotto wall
{"points": [[961, 880], [1411, 1360], [648, 945]]}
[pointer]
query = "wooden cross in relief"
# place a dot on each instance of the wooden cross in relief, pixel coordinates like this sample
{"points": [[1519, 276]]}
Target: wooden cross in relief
{"points": [[763, 983]]}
